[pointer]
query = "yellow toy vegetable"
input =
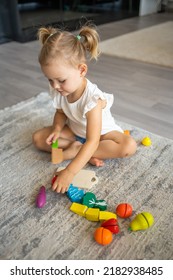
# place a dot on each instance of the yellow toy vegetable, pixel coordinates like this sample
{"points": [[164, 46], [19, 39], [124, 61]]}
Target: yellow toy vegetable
{"points": [[142, 221], [146, 141]]}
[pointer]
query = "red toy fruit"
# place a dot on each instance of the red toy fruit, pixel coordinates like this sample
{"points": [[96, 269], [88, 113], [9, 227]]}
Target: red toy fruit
{"points": [[124, 210], [103, 236], [112, 225], [53, 179]]}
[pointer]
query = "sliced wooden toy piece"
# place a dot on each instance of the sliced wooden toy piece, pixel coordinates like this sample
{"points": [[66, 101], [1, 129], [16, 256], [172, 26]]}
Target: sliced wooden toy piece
{"points": [[84, 179], [92, 214], [101, 204], [142, 221], [75, 194], [106, 215], [146, 141], [78, 209], [57, 154], [89, 199], [41, 197], [112, 225], [103, 236], [127, 132], [124, 210]]}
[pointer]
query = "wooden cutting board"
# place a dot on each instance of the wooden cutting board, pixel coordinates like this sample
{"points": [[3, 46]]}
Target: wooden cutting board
{"points": [[84, 179]]}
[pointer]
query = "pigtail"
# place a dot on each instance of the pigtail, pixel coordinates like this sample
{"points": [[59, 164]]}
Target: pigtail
{"points": [[90, 40], [57, 43], [44, 33]]}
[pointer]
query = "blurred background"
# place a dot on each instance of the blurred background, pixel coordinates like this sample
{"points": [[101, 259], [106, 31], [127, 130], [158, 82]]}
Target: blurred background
{"points": [[20, 20]]}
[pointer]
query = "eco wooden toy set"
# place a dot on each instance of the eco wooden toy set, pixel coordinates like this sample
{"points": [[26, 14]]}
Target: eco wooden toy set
{"points": [[88, 206]]}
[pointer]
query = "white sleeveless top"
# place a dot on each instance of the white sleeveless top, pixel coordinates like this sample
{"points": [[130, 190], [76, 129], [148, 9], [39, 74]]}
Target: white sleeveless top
{"points": [[76, 111]]}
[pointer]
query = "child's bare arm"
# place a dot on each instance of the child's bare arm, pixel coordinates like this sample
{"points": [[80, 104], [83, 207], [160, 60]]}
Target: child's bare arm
{"points": [[58, 124], [94, 122]]}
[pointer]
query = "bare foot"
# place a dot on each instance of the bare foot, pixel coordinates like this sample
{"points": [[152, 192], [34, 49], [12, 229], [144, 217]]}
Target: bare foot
{"points": [[97, 162]]}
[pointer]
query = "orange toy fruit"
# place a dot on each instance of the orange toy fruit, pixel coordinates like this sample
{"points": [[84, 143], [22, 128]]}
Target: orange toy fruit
{"points": [[124, 210], [127, 132], [103, 236]]}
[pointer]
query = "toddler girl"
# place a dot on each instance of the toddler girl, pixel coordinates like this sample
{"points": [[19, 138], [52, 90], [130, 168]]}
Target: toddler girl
{"points": [[83, 124]]}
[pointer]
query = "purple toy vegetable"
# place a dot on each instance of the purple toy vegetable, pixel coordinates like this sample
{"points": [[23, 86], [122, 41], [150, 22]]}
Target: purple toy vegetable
{"points": [[41, 197]]}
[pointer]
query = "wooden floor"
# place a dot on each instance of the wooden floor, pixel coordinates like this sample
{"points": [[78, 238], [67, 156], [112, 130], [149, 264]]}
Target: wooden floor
{"points": [[143, 92]]}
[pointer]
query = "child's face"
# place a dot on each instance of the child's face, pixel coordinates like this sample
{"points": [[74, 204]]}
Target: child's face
{"points": [[64, 78]]}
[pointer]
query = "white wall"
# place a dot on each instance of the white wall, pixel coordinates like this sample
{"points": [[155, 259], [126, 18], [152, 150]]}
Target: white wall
{"points": [[149, 7]]}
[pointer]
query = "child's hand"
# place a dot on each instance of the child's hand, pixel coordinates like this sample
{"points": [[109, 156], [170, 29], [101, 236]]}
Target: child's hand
{"points": [[52, 137], [64, 179]]}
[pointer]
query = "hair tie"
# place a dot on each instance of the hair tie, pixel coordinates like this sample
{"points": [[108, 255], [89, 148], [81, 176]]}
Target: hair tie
{"points": [[50, 35], [78, 37]]}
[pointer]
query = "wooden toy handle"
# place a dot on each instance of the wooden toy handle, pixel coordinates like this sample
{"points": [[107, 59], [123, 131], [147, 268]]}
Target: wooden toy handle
{"points": [[94, 180]]}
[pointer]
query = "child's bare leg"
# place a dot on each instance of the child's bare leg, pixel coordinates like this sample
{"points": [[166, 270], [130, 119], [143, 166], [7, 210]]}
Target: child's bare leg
{"points": [[40, 136], [72, 150], [115, 145], [112, 145]]}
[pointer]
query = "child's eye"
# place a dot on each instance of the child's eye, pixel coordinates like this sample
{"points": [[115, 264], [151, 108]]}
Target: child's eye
{"points": [[62, 81]]}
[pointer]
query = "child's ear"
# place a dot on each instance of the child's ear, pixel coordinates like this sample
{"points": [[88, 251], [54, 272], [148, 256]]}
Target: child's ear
{"points": [[83, 69]]}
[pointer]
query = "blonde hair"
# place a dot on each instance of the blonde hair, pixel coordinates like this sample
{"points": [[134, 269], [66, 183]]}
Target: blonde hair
{"points": [[57, 43]]}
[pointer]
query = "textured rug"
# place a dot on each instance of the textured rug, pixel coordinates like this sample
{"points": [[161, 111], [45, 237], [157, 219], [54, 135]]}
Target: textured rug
{"points": [[152, 45], [54, 232]]}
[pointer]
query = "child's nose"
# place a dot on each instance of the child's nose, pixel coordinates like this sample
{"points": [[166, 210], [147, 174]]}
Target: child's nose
{"points": [[56, 85]]}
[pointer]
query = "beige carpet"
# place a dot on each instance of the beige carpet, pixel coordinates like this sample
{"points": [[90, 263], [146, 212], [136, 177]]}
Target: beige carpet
{"points": [[152, 45], [54, 232]]}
